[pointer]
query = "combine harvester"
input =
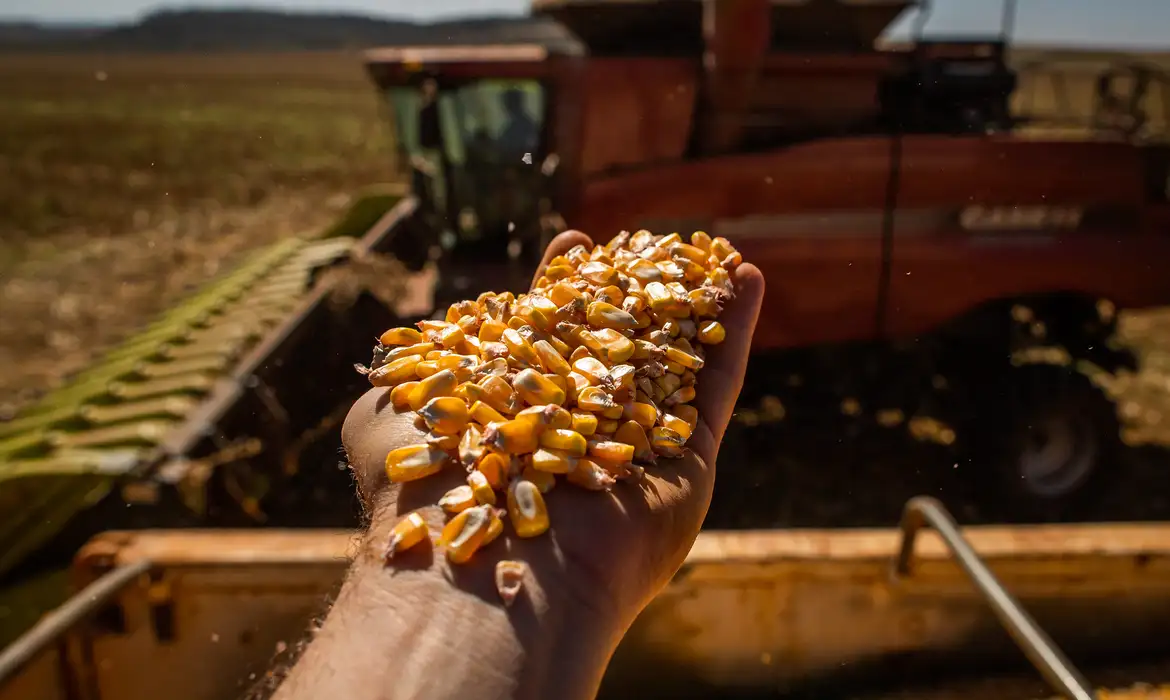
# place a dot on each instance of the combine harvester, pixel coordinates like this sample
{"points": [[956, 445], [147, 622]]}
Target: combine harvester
{"points": [[899, 208]]}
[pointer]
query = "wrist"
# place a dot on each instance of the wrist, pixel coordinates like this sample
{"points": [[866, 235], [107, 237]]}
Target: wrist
{"points": [[555, 639]]}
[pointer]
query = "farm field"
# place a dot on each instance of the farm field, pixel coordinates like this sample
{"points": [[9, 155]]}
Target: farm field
{"points": [[127, 181]]}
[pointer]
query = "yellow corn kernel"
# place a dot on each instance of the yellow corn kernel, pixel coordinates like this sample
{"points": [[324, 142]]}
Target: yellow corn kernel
{"points": [[685, 359], [712, 333], [633, 434], [668, 240], [563, 293], [667, 442], [401, 336], [499, 395], [470, 392], [600, 314], [447, 443], [484, 414], [553, 461], [396, 372], [414, 462], [607, 427], [618, 348], [465, 533], [512, 437], [509, 580], [644, 414], [684, 395], [579, 353], [612, 295], [445, 415], [677, 424], [471, 448], [567, 441], [688, 413], [599, 273], [592, 369], [527, 509], [584, 423], [621, 379], [536, 389], [442, 383], [451, 336], [407, 350], [550, 359], [590, 475], [495, 468], [457, 499], [669, 383], [690, 252], [663, 301], [544, 481], [426, 368], [701, 240], [705, 302], [484, 494], [644, 271], [407, 533], [400, 396], [491, 330], [495, 528], [519, 347], [595, 399], [611, 451]]}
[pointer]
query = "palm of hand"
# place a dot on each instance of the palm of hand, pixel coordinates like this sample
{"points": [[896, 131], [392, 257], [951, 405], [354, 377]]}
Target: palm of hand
{"points": [[616, 548]]}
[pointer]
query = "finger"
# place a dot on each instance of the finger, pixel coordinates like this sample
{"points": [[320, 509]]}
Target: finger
{"points": [[560, 245], [721, 378], [371, 429]]}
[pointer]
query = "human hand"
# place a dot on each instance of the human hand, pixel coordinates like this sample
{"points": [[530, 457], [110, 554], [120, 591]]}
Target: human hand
{"points": [[611, 552]]}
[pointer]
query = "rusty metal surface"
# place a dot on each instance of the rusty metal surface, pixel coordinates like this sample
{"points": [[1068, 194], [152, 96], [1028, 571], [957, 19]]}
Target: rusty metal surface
{"points": [[749, 611]]}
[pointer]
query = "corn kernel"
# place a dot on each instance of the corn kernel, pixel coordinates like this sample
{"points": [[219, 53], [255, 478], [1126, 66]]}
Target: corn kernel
{"points": [[590, 475], [495, 468], [645, 414], [527, 509], [409, 531], [550, 359], [519, 347], [584, 423], [465, 533], [712, 333], [611, 451], [509, 580], [442, 383], [553, 461], [400, 396], [567, 441], [495, 528], [401, 336], [618, 348], [445, 415], [512, 437], [545, 481], [396, 372], [446, 443], [414, 462], [457, 499], [537, 390], [677, 424], [684, 395], [635, 435]]}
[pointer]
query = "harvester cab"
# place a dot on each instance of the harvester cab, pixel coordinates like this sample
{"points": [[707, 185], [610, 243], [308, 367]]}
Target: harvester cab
{"points": [[473, 134]]}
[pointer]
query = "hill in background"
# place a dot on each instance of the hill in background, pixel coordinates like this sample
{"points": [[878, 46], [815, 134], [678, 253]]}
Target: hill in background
{"points": [[263, 30]]}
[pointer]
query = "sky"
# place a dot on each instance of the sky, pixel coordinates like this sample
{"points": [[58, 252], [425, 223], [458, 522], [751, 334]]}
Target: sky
{"points": [[1122, 23]]}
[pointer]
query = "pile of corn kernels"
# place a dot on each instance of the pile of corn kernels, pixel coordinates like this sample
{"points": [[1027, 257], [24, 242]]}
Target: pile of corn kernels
{"points": [[590, 376]]}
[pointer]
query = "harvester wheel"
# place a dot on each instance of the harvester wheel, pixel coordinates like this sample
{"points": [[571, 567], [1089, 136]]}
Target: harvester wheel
{"points": [[1050, 448]]}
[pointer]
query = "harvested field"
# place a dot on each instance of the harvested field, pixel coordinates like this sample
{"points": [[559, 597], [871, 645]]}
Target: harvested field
{"points": [[127, 181]]}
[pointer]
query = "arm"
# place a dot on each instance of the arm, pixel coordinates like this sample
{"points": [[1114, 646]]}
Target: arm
{"points": [[423, 633], [425, 629]]}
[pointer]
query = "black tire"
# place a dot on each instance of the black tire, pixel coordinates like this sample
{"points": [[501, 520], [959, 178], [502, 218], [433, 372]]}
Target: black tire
{"points": [[1045, 447]]}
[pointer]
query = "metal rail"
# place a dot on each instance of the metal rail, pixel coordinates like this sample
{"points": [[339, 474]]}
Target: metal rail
{"points": [[52, 626], [1057, 670]]}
